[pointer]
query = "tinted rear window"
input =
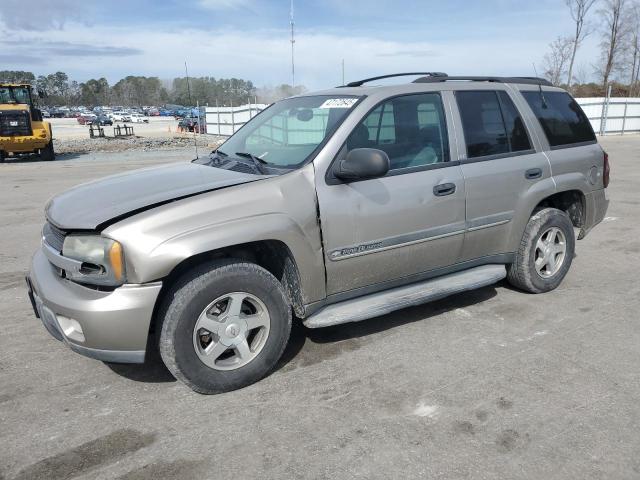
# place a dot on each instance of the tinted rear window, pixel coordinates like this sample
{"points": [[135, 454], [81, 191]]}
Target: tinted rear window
{"points": [[491, 123], [562, 119]]}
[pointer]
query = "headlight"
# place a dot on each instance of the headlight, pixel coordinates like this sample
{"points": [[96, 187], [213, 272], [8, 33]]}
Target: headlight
{"points": [[102, 260]]}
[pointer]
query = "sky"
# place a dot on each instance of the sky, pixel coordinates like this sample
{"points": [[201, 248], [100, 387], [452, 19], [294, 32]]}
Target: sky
{"points": [[250, 38]]}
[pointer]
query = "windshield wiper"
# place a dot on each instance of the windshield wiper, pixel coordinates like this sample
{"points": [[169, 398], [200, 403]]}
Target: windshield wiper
{"points": [[257, 161]]}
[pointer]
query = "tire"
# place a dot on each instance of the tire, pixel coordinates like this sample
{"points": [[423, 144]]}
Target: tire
{"points": [[2, 156], [47, 154], [524, 273], [193, 295]]}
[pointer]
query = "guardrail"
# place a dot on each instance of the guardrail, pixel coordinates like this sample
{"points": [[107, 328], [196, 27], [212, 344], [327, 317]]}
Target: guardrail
{"points": [[613, 115]]}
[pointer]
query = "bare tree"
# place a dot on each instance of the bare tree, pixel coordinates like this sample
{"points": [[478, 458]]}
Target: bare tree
{"points": [[615, 29], [557, 59], [579, 10], [634, 48]]}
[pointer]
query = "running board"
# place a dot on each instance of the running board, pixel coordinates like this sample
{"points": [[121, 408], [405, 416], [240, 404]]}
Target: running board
{"points": [[388, 301]]}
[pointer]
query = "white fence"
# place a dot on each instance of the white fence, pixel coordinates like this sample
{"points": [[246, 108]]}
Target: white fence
{"points": [[617, 116], [227, 120]]}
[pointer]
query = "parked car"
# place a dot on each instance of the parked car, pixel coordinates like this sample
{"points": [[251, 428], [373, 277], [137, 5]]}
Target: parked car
{"points": [[138, 118], [121, 116], [189, 124], [363, 201], [85, 118], [102, 120]]}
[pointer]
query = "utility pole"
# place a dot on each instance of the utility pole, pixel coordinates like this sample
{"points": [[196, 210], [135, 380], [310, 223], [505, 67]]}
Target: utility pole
{"points": [[343, 71], [293, 41]]}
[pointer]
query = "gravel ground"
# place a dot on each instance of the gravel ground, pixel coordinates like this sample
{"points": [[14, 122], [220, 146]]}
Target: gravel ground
{"points": [[490, 384], [66, 146]]}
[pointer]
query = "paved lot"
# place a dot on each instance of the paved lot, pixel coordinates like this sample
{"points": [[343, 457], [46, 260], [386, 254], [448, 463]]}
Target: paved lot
{"points": [[490, 384]]}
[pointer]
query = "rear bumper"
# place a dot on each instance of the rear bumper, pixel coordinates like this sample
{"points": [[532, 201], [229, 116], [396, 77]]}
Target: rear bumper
{"points": [[113, 326], [596, 205]]}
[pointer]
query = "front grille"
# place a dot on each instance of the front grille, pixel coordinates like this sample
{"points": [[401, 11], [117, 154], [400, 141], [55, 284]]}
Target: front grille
{"points": [[53, 236], [15, 123]]}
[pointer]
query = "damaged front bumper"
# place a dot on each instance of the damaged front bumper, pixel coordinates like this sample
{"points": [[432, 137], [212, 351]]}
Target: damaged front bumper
{"points": [[111, 326]]}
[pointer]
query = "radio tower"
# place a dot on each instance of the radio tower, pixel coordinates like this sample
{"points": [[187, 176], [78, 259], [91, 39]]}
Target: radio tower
{"points": [[293, 40]]}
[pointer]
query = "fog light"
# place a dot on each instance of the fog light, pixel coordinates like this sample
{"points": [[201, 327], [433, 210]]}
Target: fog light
{"points": [[71, 328]]}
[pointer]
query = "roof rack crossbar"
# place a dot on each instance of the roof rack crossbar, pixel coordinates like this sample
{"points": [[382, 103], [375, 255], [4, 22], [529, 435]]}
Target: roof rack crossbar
{"points": [[359, 83], [521, 80]]}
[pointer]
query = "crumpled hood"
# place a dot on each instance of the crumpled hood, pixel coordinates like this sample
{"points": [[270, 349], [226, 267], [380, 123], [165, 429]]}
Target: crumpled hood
{"points": [[93, 205]]}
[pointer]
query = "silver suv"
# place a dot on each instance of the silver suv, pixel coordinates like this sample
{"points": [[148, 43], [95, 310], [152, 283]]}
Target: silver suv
{"points": [[330, 207]]}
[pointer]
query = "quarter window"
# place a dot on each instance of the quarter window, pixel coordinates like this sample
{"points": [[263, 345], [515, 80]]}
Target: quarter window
{"points": [[561, 118], [411, 129], [492, 125]]}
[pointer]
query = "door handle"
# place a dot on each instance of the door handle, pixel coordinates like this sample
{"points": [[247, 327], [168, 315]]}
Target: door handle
{"points": [[444, 189], [533, 173]]}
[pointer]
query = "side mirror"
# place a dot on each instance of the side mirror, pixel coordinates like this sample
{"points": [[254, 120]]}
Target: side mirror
{"points": [[362, 164]]}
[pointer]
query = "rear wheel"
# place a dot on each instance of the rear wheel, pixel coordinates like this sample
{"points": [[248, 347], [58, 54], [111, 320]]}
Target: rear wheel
{"points": [[224, 326], [545, 253]]}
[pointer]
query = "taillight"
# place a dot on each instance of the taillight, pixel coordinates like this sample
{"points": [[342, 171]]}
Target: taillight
{"points": [[606, 170]]}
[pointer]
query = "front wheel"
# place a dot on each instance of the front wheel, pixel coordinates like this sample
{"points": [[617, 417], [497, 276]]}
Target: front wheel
{"points": [[545, 252], [47, 154], [224, 326]]}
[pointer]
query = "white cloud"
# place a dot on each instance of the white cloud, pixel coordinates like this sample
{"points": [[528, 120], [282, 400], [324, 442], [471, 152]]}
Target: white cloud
{"points": [[264, 56], [38, 15], [224, 4]]}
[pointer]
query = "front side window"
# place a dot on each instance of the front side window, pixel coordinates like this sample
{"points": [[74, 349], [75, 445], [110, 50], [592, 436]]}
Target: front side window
{"points": [[491, 123], [411, 130], [287, 133], [561, 118]]}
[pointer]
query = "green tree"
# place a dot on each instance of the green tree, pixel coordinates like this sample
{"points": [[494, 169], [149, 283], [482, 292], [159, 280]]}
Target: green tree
{"points": [[95, 92], [17, 76]]}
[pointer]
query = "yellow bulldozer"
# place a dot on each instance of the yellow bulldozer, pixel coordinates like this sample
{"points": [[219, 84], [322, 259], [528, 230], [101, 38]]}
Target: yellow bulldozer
{"points": [[22, 129]]}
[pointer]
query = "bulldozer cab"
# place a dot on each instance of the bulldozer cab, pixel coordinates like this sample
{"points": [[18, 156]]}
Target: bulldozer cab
{"points": [[15, 93]]}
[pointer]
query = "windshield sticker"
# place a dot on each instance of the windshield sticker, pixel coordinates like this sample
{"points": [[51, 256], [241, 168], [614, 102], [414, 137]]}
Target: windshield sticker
{"points": [[339, 103]]}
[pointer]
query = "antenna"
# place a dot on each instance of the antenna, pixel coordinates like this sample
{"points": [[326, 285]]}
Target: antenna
{"points": [[293, 41], [195, 139]]}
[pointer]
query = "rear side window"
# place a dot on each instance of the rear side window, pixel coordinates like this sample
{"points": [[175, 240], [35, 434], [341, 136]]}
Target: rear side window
{"points": [[492, 125], [561, 118]]}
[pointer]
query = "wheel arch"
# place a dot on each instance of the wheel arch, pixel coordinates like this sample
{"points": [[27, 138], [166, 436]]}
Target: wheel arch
{"points": [[273, 255], [572, 202]]}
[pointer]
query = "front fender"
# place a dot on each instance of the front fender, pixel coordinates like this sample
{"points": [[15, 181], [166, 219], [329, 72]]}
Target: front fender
{"points": [[273, 226], [280, 208]]}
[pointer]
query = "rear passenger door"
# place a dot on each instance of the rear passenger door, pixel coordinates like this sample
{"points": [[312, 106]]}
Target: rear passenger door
{"points": [[500, 165]]}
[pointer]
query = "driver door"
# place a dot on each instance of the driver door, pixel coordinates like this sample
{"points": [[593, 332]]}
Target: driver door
{"points": [[388, 231]]}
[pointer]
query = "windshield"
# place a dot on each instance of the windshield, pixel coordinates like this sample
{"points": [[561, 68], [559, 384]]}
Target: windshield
{"points": [[287, 133], [14, 95]]}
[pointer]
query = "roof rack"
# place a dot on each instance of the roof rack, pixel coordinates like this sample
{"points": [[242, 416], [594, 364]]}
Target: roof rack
{"points": [[359, 83], [522, 80]]}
